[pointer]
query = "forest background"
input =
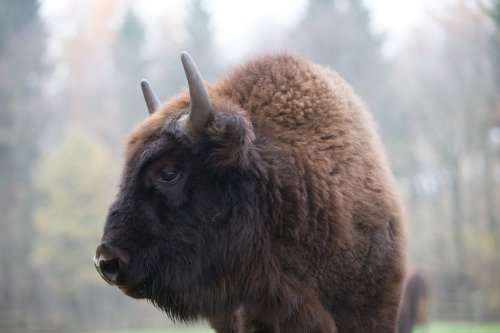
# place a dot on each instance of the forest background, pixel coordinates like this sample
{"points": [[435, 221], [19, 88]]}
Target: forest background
{"points": [[69, 94]]}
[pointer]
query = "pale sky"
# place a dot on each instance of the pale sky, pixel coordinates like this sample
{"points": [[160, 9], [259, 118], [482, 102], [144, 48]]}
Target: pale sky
{"points": [[240, 24], [396, 18]]}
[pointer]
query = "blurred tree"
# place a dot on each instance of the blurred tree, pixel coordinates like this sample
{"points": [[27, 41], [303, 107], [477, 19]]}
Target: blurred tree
{"points": [[130, 65], [494, 13], [80, 91], [86, 91], [76, 180], [492, 152], [200, 39], [22, 43], [450, 91], [165, 70]]}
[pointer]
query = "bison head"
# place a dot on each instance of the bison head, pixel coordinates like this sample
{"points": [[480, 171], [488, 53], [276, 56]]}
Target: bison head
{"points": [[187, 222]]}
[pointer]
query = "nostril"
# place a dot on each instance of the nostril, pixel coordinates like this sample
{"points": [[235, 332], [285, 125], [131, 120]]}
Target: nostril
{"points": [[109, 263], [110, 267]]}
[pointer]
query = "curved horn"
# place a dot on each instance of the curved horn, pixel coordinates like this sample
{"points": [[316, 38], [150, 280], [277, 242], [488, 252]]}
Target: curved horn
{"points": [[152, 101], [201, 106]]}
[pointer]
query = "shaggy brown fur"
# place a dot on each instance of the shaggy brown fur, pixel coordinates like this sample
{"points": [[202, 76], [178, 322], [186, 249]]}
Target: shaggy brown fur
{"points": [[286, 217]]}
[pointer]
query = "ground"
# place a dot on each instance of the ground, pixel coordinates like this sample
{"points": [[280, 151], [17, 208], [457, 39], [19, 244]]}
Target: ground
{"points": [[438, 327]]}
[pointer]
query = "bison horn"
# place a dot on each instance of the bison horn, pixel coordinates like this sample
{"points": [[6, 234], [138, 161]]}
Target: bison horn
{"points": [[201, 106], [152, 101]]}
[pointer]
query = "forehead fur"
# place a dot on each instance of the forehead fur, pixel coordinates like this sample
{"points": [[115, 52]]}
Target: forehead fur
{"points": [[154, 123]]}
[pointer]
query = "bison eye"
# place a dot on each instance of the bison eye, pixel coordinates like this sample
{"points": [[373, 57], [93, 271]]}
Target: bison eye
{"points": [[169, 175]]}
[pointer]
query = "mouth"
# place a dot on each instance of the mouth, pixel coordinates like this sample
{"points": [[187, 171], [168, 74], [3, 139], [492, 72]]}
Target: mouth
{"points": [[137, 290]]}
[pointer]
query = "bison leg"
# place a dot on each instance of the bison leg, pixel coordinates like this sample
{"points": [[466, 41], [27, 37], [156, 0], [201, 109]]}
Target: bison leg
{"points": [[294, 308], [307, 316]]}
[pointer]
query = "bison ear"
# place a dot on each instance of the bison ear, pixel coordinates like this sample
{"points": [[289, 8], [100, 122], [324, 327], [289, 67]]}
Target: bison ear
{"points": [[200, 108], [152, 101], [230, 142]]}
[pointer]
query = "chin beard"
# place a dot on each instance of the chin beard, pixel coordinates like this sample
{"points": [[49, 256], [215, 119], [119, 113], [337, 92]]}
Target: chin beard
{"points": [[178, 308]]}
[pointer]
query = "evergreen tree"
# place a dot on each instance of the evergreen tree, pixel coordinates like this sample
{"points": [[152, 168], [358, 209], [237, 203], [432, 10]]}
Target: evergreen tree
{"points": [[494, 54], [68, 224], [448, 85], [200, 41], [495, 39], [21, 48], [130, 68]]}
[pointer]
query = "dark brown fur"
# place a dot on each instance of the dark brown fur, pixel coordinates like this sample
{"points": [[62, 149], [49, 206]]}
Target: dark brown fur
{"points": [[415, 303], [287, 217]]}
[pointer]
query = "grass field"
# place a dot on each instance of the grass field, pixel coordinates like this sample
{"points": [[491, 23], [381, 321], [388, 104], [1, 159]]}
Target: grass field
{"points": [[440, 327], [443, 327]]}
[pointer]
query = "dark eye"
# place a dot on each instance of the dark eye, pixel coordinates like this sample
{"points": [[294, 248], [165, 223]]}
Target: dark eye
{"points": [[169, 175]]}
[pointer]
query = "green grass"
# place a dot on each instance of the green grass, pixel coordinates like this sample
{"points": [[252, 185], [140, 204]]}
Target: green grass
{"points": [[438, 327], [444, 327]]}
